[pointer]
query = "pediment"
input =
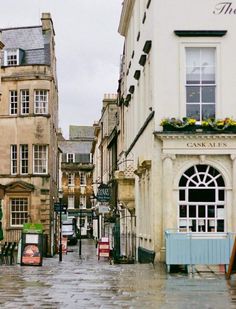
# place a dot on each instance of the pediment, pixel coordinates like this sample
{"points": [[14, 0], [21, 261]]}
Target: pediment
{"points": [[19, 186]]}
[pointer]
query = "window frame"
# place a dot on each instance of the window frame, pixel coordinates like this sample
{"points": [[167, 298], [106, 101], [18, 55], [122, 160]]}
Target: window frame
{"points": [[82, 179], [24, 159], [200, 85], [71, 200], [13, 159], [13, 102], [25, 103], [40, 159], [23, 218], [71, 179], [11, 52], [41, 104], [199, 44], [70, 157], [199, 180], [82, 202]]}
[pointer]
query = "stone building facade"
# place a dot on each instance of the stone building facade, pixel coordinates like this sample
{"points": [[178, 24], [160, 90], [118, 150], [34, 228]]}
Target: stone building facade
{"points": [[76, 169], [179, 62], [29, 123]]}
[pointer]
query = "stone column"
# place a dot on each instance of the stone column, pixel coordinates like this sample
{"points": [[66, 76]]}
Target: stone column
{"points": [[231, 211], [167, 193]]}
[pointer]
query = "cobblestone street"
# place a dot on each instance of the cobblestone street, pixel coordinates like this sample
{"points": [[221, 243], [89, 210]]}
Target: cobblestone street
{"points": [[89, 283]]}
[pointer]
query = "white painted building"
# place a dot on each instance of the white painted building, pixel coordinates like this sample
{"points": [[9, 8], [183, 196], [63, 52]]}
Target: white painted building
{"points": [[179, 61]]}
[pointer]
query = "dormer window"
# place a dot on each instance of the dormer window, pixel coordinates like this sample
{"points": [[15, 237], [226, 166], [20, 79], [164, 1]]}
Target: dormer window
{"points": [[13, 56], [70, 157]]}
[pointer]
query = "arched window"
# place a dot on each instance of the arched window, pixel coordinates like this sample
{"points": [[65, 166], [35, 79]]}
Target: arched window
{"points": [[201, 200]]}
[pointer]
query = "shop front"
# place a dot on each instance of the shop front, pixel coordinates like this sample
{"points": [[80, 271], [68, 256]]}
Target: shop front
{"points": [[199, 185]]}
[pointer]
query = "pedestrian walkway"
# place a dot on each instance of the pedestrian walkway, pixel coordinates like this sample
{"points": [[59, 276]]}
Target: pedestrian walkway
{"points": [[86, 283]]}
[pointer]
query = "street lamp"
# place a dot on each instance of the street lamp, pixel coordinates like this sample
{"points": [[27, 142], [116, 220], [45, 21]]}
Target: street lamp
{"points": [[1, 231], [80, 227], [60, 195]]}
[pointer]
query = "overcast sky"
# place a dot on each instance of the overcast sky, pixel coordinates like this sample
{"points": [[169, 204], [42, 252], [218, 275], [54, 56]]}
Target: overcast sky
{"points": [[88, 50]]}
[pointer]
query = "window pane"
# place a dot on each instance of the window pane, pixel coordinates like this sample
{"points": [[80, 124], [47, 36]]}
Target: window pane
{"points": [[201, 211], [207, 56], [208, 75], [182, 195], [183, 211], [201, 195], [193, 56], [190, 171], [193, 94], [193, 225], [220, 181], [211, 211], [208, 111], [220, 225], [192, 211], [221, 195], [183, 181], [193, 111], [208, 94], [193, 75]]}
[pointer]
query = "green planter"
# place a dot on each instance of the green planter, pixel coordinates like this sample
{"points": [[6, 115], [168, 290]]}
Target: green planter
{"points": [[229, 129], [172, 128]]}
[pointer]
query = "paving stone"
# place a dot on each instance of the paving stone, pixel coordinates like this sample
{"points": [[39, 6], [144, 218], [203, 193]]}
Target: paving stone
{"points": [[87, 283]]}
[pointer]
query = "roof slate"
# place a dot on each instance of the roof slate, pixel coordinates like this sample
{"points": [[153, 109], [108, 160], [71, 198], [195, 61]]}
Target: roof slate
{"points": [[24, 38], [75, 147], [81, 132], [31, 40]]}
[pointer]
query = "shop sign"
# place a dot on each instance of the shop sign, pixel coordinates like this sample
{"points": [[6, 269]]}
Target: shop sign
{"points": [[32, 228], [103, 209], [58, 207], [223, 8], [206, 145], [103, 193]]}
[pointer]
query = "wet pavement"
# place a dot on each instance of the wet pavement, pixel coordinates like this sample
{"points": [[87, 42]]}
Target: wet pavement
{"points": [[88, 283]]}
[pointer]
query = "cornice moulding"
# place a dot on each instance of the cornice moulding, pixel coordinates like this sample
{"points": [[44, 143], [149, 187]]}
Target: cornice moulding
{"points": [[164, 136], [125, 16]]}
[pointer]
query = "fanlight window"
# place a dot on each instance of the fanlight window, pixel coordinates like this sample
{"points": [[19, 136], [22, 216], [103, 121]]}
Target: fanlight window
{"points": [[201, 200]]}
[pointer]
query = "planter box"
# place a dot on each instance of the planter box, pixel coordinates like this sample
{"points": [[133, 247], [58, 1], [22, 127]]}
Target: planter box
{"points": [[171, 128], [230, 129], [196, 128]]}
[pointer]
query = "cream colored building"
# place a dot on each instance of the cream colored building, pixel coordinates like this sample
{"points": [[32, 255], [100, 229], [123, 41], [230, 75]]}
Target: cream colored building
{"points": [[104, 159], [179, 61], [29, 123]]}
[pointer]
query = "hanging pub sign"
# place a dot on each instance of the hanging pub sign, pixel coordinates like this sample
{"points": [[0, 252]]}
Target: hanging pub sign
{"points": [[103, 193]]}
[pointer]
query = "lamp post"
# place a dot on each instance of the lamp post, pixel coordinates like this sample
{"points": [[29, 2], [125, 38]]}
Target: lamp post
{"points": [[1, 231], [80, 227], [60, 195]]}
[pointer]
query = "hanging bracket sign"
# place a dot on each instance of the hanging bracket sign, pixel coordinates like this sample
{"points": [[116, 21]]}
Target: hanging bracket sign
{"points": [[103, 193]]}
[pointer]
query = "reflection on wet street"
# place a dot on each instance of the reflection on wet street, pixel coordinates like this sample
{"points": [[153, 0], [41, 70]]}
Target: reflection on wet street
{"points": [[88, 283]]}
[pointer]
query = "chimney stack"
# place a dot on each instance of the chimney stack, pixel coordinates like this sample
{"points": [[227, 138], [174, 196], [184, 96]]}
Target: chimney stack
{"points": [[47, 23]]}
